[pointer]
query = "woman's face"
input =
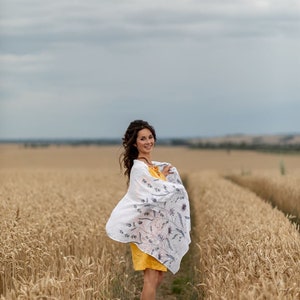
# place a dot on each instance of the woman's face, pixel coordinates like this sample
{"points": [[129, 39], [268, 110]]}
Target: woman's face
{"points": [[145, 141]]}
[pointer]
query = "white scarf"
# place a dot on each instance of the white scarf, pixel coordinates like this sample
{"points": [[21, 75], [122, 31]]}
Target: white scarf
{"points": [[155, 215]]}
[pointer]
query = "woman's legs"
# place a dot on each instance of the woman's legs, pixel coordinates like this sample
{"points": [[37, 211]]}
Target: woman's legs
{"points": [[152, 279]]}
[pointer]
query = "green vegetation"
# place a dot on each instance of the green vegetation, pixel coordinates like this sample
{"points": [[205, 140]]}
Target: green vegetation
{"points": [[282, 168], [275, 148]]}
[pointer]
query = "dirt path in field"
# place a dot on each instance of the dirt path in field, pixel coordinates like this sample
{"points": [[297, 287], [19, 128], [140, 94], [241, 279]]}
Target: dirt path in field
{"points": [[166, 291], [180, 286]]}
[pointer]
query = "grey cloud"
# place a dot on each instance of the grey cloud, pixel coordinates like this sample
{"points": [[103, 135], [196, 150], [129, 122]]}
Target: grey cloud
{"points": [[88, 64], [105, 22]]}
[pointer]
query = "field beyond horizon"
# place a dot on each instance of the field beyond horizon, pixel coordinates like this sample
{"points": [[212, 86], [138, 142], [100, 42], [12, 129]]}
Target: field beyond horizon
{"points": [[55, 201]]}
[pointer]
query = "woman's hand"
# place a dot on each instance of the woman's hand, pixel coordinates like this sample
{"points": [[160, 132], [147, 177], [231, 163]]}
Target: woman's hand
{"points": [[167, 170]]}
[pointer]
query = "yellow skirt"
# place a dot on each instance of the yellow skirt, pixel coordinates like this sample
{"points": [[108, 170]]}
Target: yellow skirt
{"points": [[142, 261]]}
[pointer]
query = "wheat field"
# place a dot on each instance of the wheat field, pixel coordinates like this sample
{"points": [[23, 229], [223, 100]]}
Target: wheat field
{"points": [[247, 249], [54, 203], [281, 191]]}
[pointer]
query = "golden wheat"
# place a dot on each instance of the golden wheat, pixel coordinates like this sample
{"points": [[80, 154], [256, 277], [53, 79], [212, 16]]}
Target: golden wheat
{"points": [[52, 239], [282, 191], [247, 249], [54, 203]]}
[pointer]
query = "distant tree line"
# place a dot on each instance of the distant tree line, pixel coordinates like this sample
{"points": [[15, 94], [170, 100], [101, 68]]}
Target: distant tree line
{"points": [[73, 142], [248, 146], [257, 146]]}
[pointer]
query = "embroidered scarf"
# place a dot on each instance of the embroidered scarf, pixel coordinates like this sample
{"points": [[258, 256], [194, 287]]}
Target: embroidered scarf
{"points": [[154, 214]]}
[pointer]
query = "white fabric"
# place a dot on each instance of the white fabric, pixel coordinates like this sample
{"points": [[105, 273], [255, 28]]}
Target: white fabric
{"points": [[155, 215]]}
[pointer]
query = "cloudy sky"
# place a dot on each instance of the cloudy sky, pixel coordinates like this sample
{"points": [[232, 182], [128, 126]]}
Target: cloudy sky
{"points": [[84, 69]]}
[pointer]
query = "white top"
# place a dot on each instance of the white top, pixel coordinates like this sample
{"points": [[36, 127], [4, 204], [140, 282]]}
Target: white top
{"points": [[154, 214]]}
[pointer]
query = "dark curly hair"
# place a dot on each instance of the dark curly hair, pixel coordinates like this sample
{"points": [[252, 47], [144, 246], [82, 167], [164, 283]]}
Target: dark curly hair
{"points": [[129, 140]]}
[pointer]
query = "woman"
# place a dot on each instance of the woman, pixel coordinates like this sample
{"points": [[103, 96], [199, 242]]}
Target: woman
{"points": [[154, 214]]}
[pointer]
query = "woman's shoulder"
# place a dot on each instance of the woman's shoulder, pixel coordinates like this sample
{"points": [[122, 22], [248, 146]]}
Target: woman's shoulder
{"points": [[139, 168], [141, 165], [138, 165]]}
